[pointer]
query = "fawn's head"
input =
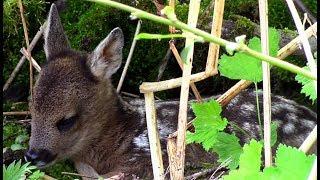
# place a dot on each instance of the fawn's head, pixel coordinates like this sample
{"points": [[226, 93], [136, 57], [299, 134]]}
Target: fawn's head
{"points": [[71, 90]]}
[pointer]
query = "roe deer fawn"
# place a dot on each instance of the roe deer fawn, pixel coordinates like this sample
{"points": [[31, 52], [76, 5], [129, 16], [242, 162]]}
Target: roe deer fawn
{"points": [[77, 114]]}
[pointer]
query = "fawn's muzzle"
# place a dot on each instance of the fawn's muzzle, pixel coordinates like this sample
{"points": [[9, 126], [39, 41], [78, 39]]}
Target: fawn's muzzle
{"points": [[40, 158]]}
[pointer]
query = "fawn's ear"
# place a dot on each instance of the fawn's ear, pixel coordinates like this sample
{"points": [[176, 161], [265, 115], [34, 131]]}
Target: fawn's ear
{"points": [[55, 40], [106, 59]]}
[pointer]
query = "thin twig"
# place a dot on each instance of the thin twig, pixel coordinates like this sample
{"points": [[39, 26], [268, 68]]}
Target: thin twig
{"points": [[46, 177], [264, 29], [25, 30], [199, 174], [309, 141], [133, 45], [180, 62], [304, 9], [16, 113], [76, 174], [164, 63], [23, 58], [130, 94], [30, 58]]}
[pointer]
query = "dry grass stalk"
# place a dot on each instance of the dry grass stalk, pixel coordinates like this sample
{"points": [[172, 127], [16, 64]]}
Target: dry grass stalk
{"points": [[180, 62], [171, 28], [30, 58], [243, 84], [213, 54], [305, 43], [170, 84], [313, 172], [171, 151], [264, 29], [194, 7], [46, 177], [153, 135], [25, 30], [133, 45], [309, 141], [23, 58], [16, 113]]}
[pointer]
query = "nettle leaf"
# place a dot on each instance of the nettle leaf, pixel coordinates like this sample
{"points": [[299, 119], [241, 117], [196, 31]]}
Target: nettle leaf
{"points": [[243, 66], [207, 123], [228, 148], [290, 163], [249, 164], [308, 86]]}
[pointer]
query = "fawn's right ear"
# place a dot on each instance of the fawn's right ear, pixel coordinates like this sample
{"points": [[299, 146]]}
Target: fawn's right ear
{"points": [[55, 40]]}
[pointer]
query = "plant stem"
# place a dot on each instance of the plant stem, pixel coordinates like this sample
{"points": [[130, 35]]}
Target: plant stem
{"points": [[210, 38], [258, 110]]}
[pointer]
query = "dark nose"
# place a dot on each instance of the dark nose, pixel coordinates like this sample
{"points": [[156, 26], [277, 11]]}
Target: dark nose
{"points": [[42, 155]]}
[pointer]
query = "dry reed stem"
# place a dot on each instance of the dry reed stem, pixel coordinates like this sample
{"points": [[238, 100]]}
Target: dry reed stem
{"points": [[25, 30], [46, 177], [264, 30], [153, 135], [133, 45], [313, 172], [171, 151], [213, 53], [18, 113], [309, 141], [171, 28], [30, 58], [285, 51], [305, 43], [194, 7], [180, 62], [23, 58]]}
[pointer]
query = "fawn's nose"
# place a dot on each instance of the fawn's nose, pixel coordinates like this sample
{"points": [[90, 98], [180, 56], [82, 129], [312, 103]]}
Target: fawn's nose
{"points": [[39, 158]]}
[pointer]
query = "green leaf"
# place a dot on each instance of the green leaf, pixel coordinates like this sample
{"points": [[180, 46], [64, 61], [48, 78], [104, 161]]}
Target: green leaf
{"points": [[16, 147], [158, 36], [21, 138], [227, 147], [274, 133], [207, 123], [37, 175], [16, 171], [308, 86], [184, 53], [249, 164], [243, 66]]}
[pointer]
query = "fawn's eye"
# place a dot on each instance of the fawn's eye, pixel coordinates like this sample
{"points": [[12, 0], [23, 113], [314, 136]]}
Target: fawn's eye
{"points": [[66, 123]]}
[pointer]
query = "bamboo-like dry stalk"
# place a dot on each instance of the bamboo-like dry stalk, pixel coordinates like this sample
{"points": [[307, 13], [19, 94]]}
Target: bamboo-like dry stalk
{"points": [[180, 62], [309, 141], [18, 113], [264, 29], [153, 135], [285, 51], [133, 45], [305, 43], [171, 150], [172, 4], [30, 58], [23, 58], [313, 172], [213, 53], [25, 30], [194, 8], [170, 84]]}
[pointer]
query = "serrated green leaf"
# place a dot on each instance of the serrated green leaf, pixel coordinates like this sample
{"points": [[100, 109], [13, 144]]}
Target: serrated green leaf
{"points": [[207, 123], [274, 133], [16, 171], [308, 86], [21, 138], [243, 66], [37, 175], [158, 36], [249, 164], [227, 147]]}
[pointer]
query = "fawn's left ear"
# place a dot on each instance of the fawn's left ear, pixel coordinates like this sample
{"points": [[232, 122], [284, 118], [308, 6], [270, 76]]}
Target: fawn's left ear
{"points": [[106, 59], [55, 40]]}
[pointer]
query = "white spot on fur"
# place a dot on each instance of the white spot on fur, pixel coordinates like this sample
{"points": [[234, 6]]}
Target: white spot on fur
{"points": [[288, 128], [247, 107], [142, 142]]}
